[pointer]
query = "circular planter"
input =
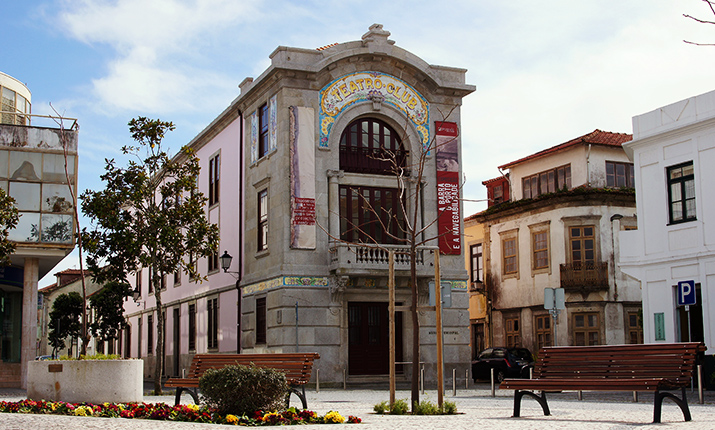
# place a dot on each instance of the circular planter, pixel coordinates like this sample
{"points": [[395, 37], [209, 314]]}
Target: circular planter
{"points": [[90, 381]]}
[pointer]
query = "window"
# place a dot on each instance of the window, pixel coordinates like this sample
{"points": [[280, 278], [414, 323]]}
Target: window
{"points": [[192, 327], [369, 145], [139, 281], [681, 193], [619, 175], [150, 334], [366, 212], [214, 176], [262, 220], [177, 277], [586, 329], [582, 246], [635, 328], [139, 335], [513, 339], [509, 255], [263, 130], [213, 323], [476, 264], [213, 262], [549, 181], [543, 330], [498, 193], [163, 281], [540, 248], [261, 320]]}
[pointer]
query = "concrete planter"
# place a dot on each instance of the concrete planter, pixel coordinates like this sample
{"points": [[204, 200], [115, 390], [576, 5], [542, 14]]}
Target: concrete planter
{"points": [[91, 381]]}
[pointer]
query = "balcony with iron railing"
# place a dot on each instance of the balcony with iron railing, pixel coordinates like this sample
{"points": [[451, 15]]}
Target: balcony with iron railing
{"points": [[372, 260], [584, 277]]}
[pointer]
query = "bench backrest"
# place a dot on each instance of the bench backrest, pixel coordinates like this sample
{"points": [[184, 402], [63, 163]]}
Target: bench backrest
{"points": [[296, 366], [674, 362]]}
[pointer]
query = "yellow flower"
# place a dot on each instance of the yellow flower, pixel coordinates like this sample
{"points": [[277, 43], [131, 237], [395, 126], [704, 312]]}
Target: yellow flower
{"points": [[83, 411], [232, 419], [334, 417], [193, 407]]}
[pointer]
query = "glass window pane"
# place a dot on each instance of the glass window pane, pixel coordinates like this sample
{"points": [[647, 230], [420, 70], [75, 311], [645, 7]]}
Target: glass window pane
{"points": [[27, 229], [675, 193], [56, 198], [4, 160], [688, 170], [25, 166], [689, 189], [57, 228], [26, 195]]}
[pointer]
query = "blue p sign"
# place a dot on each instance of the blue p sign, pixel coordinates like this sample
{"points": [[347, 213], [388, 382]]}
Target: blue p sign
{"points": [[686, 293]]}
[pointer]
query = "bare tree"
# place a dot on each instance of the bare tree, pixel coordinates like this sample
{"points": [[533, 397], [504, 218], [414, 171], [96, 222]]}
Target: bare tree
{"points": [[411, 233], [711, 5]]}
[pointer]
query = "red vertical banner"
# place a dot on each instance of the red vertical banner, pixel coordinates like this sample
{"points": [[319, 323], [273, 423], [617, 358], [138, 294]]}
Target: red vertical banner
{"points": [[448, 207]]}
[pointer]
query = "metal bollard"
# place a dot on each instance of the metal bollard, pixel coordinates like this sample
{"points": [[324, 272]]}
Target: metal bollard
{"points": [[422, 379], [580, 395], [635, 397], [454, 382], [700, 383], [345, 379], [317, 380], [493, 392], [466, 379]]}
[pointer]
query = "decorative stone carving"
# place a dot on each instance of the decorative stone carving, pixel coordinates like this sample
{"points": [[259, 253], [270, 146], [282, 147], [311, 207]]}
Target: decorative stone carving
{"points": [[337, 289]]}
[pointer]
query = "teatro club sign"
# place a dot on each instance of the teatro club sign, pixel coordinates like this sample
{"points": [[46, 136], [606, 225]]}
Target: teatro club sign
{"points": [[368, 87]]}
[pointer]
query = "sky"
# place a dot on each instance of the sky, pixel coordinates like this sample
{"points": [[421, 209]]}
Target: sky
{"points": [[545, 72]]}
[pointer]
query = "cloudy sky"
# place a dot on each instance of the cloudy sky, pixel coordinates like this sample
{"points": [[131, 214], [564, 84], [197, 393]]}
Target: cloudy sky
{"points": [[545, 71]]}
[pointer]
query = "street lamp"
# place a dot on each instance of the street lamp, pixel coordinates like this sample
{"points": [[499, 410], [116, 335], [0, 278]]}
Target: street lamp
{"points": [[226, 259], [136, 293]]}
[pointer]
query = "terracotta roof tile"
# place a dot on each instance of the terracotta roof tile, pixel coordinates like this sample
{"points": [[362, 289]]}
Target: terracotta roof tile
{"points": [[596, 137]]}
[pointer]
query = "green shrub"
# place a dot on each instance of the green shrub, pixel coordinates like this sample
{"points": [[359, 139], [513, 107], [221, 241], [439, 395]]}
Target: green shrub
{"points": [[449, 408], [380, 408], [240, 390], [399, 407], [425, 407]]}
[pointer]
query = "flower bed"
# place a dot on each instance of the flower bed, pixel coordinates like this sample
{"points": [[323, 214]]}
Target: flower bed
{"points": [[162, 411]]}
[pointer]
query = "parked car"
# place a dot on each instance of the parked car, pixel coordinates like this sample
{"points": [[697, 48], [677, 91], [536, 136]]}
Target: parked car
{"points": [[506, 362]]}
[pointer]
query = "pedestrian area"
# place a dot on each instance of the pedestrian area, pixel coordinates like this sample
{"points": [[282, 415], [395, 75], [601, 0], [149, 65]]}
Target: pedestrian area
{"points": [[477, 410]]}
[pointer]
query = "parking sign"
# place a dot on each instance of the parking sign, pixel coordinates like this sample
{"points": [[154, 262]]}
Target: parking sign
{"points": [[686, 293]]}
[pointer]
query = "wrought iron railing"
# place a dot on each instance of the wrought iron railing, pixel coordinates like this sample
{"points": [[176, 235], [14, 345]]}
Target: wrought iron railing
{"points": [[588, 276]]}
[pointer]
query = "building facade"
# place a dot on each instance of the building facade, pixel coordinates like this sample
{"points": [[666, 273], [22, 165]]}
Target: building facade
{"points": [[32, 171], [478, 300], [560, 231], [314, 173], [672, 148]]}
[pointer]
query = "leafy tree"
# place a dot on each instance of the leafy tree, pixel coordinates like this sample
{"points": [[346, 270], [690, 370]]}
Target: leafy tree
{"points": [[65, 319], [8, 220], [108, 305], [151, 215]]}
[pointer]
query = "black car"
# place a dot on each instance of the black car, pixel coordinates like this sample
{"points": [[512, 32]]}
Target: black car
{"points": [[506, 362]]}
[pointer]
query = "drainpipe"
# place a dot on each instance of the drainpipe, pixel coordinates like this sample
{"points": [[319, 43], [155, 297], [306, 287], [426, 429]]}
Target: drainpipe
{"points": [[588, 167], [615, 226], [239, 299]]}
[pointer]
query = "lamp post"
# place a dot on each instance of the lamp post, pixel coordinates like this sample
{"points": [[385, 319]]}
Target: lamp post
{"points": [[226, 260]]}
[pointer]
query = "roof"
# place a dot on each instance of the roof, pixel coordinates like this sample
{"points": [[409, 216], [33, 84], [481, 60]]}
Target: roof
{"points": [[596, 137], [497, 179]]}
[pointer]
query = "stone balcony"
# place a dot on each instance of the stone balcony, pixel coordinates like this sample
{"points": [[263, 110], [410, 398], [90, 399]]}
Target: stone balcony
{"points": [[373, 260]]}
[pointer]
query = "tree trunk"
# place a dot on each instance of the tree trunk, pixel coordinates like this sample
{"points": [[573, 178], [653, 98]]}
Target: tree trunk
{"points": [[159, 360], [415, 328]]}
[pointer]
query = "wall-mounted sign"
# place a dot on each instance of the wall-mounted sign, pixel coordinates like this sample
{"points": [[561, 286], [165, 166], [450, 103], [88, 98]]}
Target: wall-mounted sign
{"points": [[372, 87], [686, 293]]}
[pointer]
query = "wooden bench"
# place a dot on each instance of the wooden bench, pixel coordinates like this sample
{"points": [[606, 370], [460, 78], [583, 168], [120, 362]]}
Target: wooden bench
{"points": [[296, 366], [649, 367]]}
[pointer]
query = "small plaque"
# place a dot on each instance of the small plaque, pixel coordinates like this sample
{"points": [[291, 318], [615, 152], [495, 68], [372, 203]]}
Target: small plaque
{"points": [[54, 368]]}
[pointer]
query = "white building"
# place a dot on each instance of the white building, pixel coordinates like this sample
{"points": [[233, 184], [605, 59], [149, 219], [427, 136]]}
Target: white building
{"points": [[559, 229], [673, 150]]}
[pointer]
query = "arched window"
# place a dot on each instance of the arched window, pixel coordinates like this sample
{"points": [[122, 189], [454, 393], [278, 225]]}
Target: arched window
{"points": [[369, 145]]}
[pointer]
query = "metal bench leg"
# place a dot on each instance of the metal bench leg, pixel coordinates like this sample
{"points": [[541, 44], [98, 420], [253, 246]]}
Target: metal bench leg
{"points": [[193, 392], [518, 394], [681, 402], [300, 394]]}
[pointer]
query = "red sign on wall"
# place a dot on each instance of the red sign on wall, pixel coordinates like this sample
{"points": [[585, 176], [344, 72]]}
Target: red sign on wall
{"points": [[447, 158]]}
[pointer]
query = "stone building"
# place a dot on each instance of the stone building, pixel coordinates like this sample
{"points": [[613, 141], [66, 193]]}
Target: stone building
{"points": [[560, 230], [300, 175]]}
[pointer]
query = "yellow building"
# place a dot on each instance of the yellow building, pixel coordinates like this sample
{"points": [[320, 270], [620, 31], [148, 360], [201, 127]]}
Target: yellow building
{"points": [[474, 263]]}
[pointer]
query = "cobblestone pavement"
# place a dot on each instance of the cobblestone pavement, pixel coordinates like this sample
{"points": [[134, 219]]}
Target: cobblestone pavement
{"points": [[476, 407]]}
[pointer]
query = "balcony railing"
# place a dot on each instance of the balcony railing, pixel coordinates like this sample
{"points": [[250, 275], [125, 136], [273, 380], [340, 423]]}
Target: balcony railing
{"points": [[584, 277], [363, 259]]}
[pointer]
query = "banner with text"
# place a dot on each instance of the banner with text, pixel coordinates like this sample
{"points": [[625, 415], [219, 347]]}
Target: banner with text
{"points": [[447, 158]]}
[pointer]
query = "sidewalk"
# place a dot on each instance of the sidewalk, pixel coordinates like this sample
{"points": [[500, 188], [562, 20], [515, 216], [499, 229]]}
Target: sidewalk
{"points": [[476, 407]]}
